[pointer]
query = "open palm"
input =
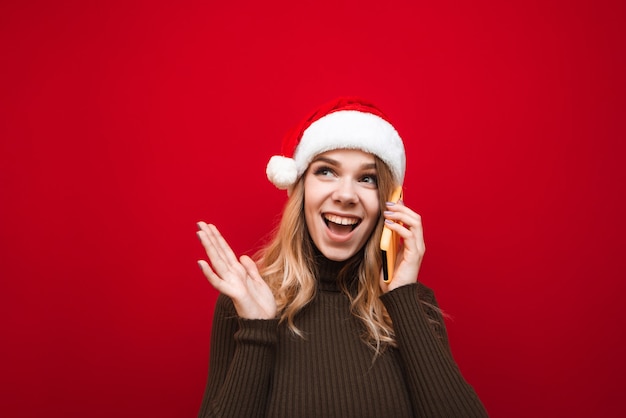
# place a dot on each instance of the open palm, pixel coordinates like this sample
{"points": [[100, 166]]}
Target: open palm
{"points": [[238, 279]]}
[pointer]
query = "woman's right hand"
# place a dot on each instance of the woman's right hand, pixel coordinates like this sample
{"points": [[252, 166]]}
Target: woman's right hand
{"points": [[238, 279]]}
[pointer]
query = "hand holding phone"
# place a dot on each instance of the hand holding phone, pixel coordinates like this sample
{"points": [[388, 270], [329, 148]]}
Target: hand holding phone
{"points": [[389, 242]]}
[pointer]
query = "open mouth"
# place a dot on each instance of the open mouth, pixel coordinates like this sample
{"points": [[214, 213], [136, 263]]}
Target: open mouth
{"points": [[340, 224]]}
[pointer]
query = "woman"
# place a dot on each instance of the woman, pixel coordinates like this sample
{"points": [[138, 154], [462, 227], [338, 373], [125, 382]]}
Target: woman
{"points": [[311, 328]]}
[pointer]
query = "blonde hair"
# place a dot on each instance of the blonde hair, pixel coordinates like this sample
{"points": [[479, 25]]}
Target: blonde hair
{"points": [[287, 263]]}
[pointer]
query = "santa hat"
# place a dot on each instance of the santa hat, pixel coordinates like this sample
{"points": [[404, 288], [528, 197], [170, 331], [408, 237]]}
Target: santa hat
{"points": [[344, 123]]}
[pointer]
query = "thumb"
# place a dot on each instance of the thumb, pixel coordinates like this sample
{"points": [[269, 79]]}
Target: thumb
{"points": [[251, 267]]}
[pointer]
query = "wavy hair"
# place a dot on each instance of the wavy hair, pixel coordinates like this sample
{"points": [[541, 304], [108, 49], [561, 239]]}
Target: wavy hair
{"points": [[287, 264]]}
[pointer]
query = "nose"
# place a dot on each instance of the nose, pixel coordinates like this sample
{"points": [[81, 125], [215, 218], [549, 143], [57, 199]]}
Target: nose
{"points": [[345, 192]]}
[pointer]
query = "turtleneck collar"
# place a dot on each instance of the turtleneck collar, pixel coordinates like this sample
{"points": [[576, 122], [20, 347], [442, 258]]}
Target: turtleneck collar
{"points": [[328, 270]]}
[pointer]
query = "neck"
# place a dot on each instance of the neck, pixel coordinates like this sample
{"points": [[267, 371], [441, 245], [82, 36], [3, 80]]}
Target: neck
{"points": [[331, 274]]}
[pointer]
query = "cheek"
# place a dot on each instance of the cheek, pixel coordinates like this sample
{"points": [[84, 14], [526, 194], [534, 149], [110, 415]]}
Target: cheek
{"points": [[373, 210], [373, 221], [372, 205], [314, 194], [310, 203]]}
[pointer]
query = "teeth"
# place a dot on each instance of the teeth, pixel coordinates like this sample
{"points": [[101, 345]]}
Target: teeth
{"points": [[340, 220]]}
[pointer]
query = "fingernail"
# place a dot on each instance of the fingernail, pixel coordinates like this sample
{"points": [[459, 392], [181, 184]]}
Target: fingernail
{"points": [[199, 265], [387, 212], [389, 221], [390, 203]]}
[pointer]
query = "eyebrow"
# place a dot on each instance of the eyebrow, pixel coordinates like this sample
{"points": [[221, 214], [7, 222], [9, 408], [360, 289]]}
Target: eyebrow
{"points": [[366, 166]]}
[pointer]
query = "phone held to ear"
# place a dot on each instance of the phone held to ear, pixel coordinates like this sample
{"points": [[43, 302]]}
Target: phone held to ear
{"points": [[389, 242]]}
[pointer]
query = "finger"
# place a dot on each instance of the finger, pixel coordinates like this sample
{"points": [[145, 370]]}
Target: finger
{"points": [[401, 213], [221, 244], [210, 239], [213, 278], [213, 252], [398, 227], [419, 236], [220, 254], [203, 236], [251, 268], [411, 232]]}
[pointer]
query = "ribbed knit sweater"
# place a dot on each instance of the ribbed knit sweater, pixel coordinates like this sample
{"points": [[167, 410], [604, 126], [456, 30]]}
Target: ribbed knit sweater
{"points": [[258, 368]]}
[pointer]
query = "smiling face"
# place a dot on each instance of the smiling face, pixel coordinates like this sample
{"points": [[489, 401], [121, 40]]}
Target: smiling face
{"points": [[341, 205]]}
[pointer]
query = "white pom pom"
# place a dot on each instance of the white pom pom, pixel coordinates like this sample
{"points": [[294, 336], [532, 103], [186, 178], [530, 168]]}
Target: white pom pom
{"points": [[282, 172]]}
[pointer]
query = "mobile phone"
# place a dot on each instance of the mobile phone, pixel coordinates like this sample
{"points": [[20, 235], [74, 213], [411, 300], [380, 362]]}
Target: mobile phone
{"points": [[389, 242]]}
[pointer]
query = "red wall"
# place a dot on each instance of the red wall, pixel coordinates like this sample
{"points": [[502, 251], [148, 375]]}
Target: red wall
{"points": [[123, 123]]}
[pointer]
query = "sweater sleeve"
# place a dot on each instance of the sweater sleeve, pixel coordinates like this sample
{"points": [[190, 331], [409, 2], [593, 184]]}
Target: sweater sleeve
{"points": [[240, 364], [434, 380]]}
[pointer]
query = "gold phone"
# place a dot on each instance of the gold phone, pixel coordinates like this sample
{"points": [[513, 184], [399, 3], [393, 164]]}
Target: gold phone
{"points": [[389, 242]]}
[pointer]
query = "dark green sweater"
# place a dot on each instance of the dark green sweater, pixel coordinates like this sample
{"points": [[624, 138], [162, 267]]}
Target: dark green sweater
{"points": [[259, 369]]}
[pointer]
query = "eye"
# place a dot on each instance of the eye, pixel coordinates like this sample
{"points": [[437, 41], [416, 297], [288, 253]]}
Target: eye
{"points": [[370, 179], [324, 171]]}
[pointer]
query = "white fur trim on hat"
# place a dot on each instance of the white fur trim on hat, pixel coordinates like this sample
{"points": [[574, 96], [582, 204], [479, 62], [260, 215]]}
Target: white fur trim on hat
{"points": [[351, 129], [282, 171]]}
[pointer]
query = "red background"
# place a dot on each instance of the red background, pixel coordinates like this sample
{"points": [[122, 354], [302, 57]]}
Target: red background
{"points": [[122, 124]]}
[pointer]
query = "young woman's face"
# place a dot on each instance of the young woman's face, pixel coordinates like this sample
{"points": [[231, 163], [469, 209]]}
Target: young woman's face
{"points": [[341, 201]]}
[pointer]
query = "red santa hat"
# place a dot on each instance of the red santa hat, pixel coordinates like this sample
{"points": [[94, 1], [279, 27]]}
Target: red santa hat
{"points": [[344, 123]]}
